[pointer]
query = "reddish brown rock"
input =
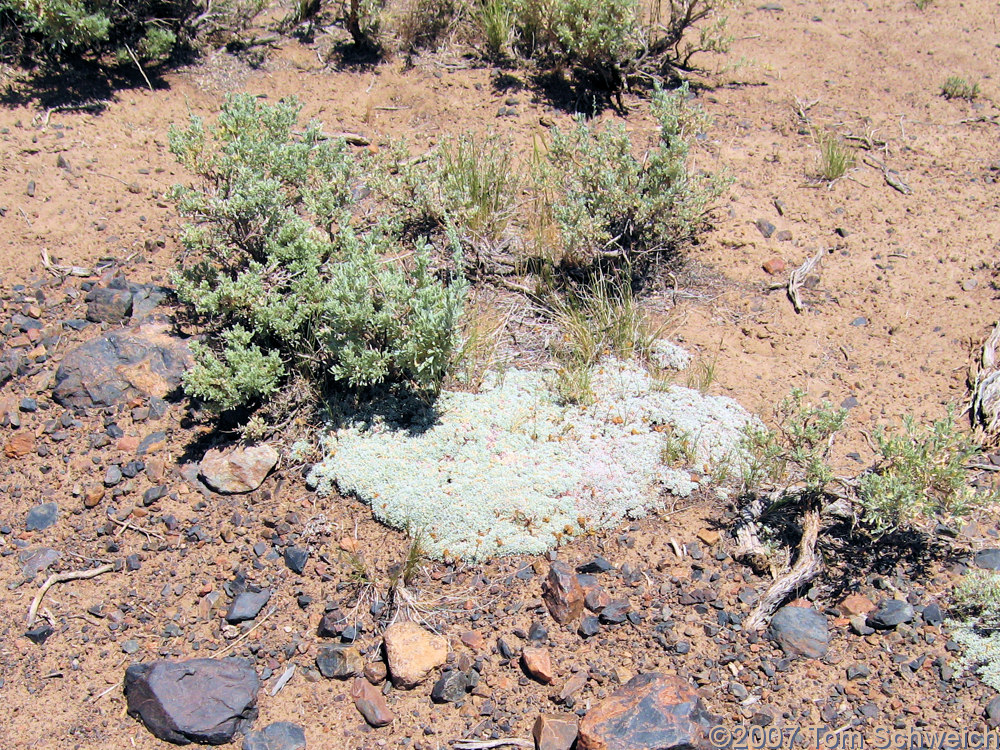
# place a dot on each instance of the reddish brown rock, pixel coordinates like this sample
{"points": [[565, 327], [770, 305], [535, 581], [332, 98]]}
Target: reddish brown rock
{"points": [[376, 672], [371, 703], [563, 594], [20, 445], [412, 653], [573, 685], [554, 732], [855, 604], [774, 266], [239, 470], [537, 662], [92, 496], [473, 640], [650, 711]]}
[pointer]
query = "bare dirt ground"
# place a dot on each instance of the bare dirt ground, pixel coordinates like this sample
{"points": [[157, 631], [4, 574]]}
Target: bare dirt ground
{"points": [[906, 292]]}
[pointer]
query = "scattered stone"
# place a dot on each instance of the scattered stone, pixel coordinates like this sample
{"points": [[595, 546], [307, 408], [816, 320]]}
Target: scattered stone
{"points": [[20, 445], [239, 470], [589, 627], [122, 365], [765, 227], [597, 565], [151, 443], [860, 626], [849, 403], [108, 305], [199, 700], [859, 322], [340, 661], [474, 640], [562, 593], [376, 672], [537, 662], [42, 517], [993, 711], [451, 687], [332, 624], [784, 235], [651, 710], [247, 605], [281, 735], [92, 496], [34, 561], [710, 537], [412, 653], [296, 558], [537, 632], [855, 604], [40, 633], [371, 703], [616, 612], [889, 614], [932, 614], [800, 631], [988, 559], [554, 732], [774, 266], [858, 671], [573, 685]]}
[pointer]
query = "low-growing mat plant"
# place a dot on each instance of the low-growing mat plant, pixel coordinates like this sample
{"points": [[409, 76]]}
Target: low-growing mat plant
{"points": [[956, 87], [976, 625], [284, 280]]}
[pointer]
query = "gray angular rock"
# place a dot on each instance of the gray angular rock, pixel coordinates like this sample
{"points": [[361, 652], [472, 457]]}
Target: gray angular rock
{"points": [[651, 710], [35, 560], [801, 631], [451, 687], [889, 614], [296, 559], [108, 305], [42, 517], [122, 365], [340, 661], [199, 700], [247, 605], [281, 735], [239, 470], [988, 559]]}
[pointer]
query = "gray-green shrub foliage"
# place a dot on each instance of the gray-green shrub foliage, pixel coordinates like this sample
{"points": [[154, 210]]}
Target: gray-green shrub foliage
{"points": [[286, 277], [609, 201]]}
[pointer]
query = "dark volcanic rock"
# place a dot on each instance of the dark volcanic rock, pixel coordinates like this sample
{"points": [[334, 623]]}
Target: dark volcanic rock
{"points": [[122, 365], [563, 594], [451, 688], [597, 565], [988, 559], [652, 710], [108, 305], [340, 661], [40, 633], [247, 605], [296, 558], [41, 517], [801, 631], [200, 700], [889, 614], [281, 735]]}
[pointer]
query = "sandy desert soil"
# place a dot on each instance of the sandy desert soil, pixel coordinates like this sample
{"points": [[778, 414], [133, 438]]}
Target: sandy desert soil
{"points": [[906, 292]]}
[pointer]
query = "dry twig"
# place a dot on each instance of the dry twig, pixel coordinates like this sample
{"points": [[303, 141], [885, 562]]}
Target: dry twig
{"points": [[798, 278], [74, 575]]}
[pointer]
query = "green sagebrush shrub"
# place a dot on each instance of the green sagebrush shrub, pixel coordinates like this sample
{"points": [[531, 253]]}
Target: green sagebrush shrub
{"points": [[287, 279], [58, 28], [608, 202]]}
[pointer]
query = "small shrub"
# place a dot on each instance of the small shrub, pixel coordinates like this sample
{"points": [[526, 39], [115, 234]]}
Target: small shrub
{"points": [[422, 23], [609, 205], [919, 474], [956, 87], [797, 450], [283, 277], [834, 158]]}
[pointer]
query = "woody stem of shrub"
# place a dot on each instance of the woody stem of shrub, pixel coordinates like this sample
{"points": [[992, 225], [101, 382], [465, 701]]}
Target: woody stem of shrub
{"points": [[805, 569]]}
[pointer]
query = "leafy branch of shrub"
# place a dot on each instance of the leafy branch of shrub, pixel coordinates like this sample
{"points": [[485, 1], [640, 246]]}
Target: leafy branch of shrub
{"points": [[608, 204], [282, 275]]}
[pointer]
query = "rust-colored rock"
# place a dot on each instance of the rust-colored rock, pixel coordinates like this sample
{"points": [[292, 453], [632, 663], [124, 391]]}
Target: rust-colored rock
{"points": [[371, 703], [855, 604], [412, 653], [563, 594], [537, 662], [239, 470], [650, 711], [709, 537], [474, 640], [552, 732], [774, 266], [92, 496], [20, 445]]}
